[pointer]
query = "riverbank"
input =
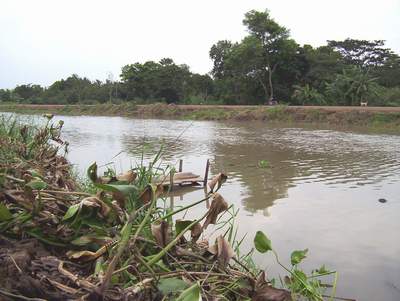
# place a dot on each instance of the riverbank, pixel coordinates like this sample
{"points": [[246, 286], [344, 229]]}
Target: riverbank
{"points": [[381, 117]]}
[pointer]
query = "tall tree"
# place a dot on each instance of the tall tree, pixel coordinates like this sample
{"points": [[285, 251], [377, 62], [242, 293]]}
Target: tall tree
{"points": [[362, 53], [274, 42]]}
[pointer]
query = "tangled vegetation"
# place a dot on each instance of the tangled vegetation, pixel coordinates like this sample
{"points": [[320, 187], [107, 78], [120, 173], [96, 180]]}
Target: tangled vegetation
{"points": [[115, 239]]}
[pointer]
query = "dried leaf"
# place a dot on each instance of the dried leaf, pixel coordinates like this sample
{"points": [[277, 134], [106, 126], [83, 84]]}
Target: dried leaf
{"points": [[218, 205], [269, 293], [129, 176], [195, 230], [223, 251], [82, 255], [260, 281], [218, 180], [147, 194], [94, 202], [161, 233]]}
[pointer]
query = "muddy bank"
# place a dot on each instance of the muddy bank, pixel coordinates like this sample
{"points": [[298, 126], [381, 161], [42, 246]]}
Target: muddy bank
{"points": [[387, 117]]}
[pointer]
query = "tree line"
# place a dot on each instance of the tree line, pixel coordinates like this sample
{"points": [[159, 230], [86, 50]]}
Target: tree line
{"points": [[267, 65]]}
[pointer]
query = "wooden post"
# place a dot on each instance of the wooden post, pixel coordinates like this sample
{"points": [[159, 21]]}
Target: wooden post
{"points": [[180, 165], [171, 180], [206, 174]]}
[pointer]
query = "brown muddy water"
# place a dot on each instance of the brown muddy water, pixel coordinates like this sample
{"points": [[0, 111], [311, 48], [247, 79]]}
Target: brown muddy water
{"points": [[320, 191]]}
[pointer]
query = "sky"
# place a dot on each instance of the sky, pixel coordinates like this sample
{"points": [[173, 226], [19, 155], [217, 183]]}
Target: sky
{"points": [[43, 41]]}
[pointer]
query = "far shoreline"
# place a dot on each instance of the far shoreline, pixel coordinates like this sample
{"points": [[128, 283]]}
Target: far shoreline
{"points": [[371, 117]]}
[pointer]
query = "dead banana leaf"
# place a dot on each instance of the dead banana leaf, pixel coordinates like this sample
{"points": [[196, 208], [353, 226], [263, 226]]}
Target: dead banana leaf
{"points": [[94, 202], [223, 251], [218, 205], [260, 281], [147, 193], [129, 176], [161, 233], [195, 230], [269, 293], [218, 180], [85, 256]]}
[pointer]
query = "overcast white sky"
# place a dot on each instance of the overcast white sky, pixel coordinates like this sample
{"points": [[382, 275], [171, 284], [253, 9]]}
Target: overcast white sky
{"points": [[45, 40]]}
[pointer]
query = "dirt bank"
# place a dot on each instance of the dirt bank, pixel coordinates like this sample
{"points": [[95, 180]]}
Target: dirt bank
{"points": [[335, 115]]}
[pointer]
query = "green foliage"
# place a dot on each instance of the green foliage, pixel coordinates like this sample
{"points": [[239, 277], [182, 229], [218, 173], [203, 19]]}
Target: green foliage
{"points": [[297, 256], [263, 164], [190, 294], [262, 243], [353, 86], [307, 95], [171, 285], [299, 283], [5, 214]]}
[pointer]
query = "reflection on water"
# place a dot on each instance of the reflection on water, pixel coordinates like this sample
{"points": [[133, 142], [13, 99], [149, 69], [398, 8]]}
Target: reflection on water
{"points": [[320, 192]]}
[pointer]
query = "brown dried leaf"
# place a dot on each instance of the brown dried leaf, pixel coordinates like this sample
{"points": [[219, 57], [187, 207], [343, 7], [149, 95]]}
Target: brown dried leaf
{"points": [[218, 180], [196, 231], [222, 250], [161, 233], [260, 282], [129, 176], [218, 205], [95, 202], [83, 256], [269, 293], [147, 193]]}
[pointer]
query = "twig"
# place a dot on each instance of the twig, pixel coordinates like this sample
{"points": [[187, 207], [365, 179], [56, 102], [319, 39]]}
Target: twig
{"points": [[67, 192], [140, 286], [82, 283], [16, 265]]}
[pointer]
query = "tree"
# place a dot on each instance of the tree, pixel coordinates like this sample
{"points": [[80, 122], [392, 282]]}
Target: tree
{"points": [[362, 53], [389, 73], [156, 81], [275, 46], [29, 91], [5, 95], [308, 95], [353, 86]]}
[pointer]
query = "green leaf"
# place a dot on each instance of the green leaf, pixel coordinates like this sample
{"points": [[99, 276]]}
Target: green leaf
{"points": [[126, 190], [87, 239], [37, 184], [45, 238], [92, 172], [180, 225], [35, 173], [297, 256], [263, 164], [262, 243], [171, 285], [71, 211], [323, 270], [190, 294], [5, 214]]}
